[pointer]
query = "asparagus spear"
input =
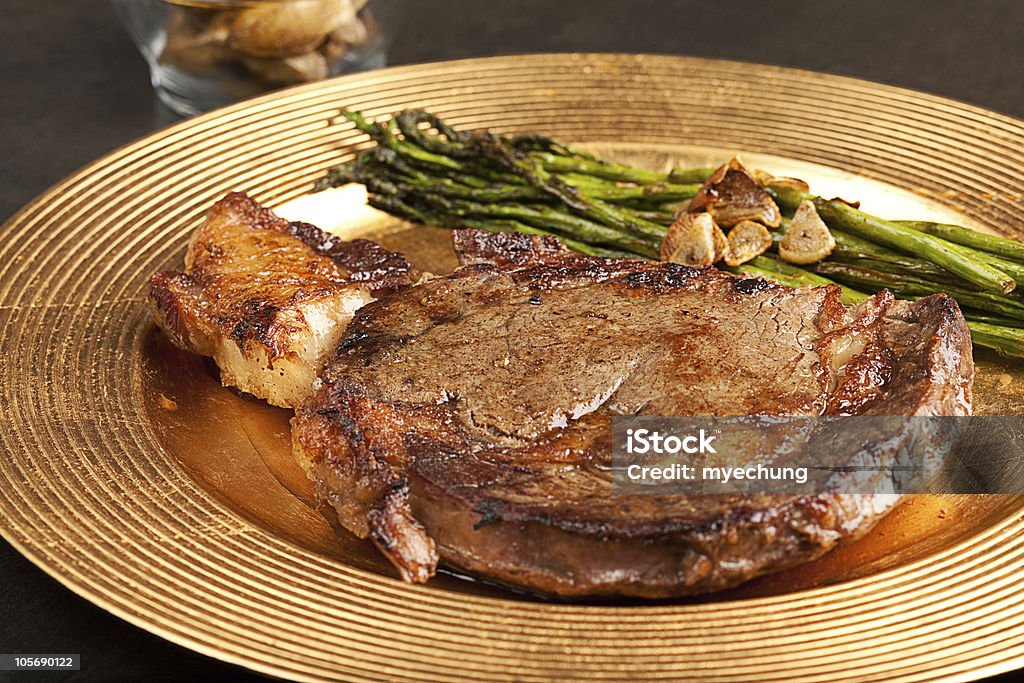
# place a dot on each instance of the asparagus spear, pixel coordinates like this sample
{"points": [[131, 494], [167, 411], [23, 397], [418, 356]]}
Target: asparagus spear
{"points": [[1008, 341], [850, 249], [653, 194], [975, 315], [626, 174], [473, 187], [867, 256], [690, 175], [788, 198], [936, 250], [1011, 268], [1007, 248], [556, 157], [857, 251], [386, 136], [449, 141], [395, 206], [445, 187], [909, 287], [455, 149], [660, 217], [559, 164], [533, 172], [838, 214], [546, 216], [442, 210], [787, 273]]}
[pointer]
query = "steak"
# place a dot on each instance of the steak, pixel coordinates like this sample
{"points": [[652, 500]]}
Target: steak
{"points": [[267, 298], [467, 418]]}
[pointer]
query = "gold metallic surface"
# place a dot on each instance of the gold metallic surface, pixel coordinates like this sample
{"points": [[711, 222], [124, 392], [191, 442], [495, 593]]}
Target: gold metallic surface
{"points": [[132, 477]]}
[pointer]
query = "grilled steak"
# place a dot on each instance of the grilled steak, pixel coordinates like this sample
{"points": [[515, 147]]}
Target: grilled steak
{"points": [[468, 417], [267, 298]]}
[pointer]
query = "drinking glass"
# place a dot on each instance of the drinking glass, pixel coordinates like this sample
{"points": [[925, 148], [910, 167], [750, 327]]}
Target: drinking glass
{"points": [[204, 54]]}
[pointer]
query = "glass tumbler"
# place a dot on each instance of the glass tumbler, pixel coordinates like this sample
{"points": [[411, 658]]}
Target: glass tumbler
{"points": [[204, 54]]}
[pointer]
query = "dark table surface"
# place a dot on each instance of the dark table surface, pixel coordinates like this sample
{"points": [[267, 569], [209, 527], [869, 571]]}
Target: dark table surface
{"points": [[74, 87]]}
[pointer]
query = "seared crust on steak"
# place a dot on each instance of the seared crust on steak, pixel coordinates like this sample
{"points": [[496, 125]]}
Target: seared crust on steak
{"points": [[471, 414], [267, 298], [508, 248]]}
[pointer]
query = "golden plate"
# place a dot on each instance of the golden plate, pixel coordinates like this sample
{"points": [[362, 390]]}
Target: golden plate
{"points": [[133, 478]]}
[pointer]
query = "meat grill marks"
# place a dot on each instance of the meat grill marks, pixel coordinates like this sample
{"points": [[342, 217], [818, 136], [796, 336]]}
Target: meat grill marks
{"points": [[267, 298], [467, 417]]}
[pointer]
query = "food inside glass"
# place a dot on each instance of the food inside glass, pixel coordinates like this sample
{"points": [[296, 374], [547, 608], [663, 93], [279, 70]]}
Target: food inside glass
{"points": [[208, 53]]}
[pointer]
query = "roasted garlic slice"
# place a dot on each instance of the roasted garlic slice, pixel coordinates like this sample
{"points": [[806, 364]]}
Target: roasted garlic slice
{"points": [[747, 240], [694, 240], [732, 195], [765, 178], [807, 240]]}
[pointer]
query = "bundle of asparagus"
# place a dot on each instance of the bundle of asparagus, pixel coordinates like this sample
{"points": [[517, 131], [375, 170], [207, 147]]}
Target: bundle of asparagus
{"points": [[425, 171]]}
